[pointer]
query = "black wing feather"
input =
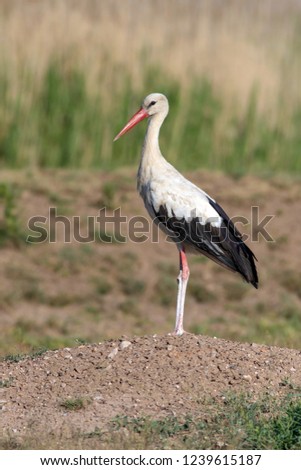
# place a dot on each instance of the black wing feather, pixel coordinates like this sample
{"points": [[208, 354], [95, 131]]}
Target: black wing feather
{"points": [[223, 244]]}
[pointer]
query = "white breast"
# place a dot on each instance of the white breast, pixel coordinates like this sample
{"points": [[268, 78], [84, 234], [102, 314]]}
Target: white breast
{"points": [[166, 187]]}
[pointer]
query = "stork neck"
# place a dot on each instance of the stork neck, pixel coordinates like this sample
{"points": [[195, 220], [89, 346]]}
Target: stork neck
{"points": [[151, 157], [151, 149]]}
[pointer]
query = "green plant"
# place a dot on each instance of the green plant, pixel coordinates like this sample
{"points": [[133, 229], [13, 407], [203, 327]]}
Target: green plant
{"points": [[103, 286], [74, 404], [291, 280], [103, 236], [14, 357], [109, 189], [10, 231], [66, 117], [161, 428], [129, 307], [239, 423], [165, 290], [60, 120], [200, 293], [6, 383], [132, 286], [235, 291]]}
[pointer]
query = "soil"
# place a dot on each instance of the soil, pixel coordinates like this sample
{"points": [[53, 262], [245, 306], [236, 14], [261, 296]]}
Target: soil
{"points": [[140, 376]]}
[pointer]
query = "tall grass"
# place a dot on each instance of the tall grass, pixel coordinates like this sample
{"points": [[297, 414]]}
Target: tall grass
{"points": [[231, 75], [66, 125]]}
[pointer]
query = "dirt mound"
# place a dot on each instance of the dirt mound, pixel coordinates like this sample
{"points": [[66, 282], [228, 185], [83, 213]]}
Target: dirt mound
{"points": [[140, 376]]}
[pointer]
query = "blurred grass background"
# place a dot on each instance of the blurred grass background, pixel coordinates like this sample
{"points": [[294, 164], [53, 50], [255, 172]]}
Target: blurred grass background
{"points": [[71, 74]]}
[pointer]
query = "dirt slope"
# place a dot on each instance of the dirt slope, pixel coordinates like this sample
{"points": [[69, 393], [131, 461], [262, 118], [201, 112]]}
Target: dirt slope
{"points": [[140, 376]]}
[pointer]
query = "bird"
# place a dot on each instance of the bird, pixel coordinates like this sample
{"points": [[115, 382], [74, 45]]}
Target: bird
{"points": [[192, 219]]}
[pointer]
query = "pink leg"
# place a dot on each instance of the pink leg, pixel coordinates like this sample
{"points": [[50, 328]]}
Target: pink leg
{"points": [[182, 285]]}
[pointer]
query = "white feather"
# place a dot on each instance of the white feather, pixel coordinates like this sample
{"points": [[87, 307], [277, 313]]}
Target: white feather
{"points": [[166, 187]]}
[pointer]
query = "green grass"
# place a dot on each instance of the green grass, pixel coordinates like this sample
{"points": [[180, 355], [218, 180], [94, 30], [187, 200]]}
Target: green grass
{"points": [[277, 326], [235, 291], [61, 122], [239, 422], [70, 259], [129, 307], [28, 340], [165, 290], [102, 285], [10, 228], [20, 357], [291, 280], [104, 236], [74, 404], [131, 286], [200, 293], [109, 190], [262, 323], [6, 383], [14, 357]]}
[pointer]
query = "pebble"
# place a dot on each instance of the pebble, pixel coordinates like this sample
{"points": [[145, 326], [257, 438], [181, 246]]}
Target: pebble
{"points": [[124, 344], [113, 353], [247, 377], [2, 405], [68, 356], [98, 398]]}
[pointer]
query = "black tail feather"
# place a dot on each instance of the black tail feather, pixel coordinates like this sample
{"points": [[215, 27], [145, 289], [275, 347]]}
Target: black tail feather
{"points": [[243, 258]]}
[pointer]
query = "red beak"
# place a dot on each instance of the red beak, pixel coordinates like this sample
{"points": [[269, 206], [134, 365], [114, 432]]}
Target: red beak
{"points": [[139, 116]]}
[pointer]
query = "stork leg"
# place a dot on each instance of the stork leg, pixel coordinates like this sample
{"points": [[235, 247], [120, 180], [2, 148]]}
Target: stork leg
{"points": [[182, 285]]}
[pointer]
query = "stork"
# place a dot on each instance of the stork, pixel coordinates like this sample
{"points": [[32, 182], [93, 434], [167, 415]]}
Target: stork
{"points": [[189, 216]]}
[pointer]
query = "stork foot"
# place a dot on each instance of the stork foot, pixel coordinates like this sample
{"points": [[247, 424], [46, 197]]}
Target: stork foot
{"points": [[178, 332]]}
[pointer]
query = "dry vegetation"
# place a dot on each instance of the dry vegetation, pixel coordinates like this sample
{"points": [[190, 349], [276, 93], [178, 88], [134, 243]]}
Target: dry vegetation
{"points": [[72, 72], [237, 44]]}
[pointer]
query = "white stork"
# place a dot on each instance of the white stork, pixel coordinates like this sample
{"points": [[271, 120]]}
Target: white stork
{"points": [[191, 218]]}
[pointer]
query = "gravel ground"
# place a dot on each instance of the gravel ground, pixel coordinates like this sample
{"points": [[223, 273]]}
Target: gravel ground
{"points": [[140, 376]]}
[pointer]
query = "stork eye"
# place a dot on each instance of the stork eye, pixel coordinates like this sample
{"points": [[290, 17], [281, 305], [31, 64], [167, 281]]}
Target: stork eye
{"points": [[152, 103]]}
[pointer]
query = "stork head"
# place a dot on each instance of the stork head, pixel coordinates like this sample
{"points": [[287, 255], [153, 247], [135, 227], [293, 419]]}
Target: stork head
{"points": [[155, 103]]}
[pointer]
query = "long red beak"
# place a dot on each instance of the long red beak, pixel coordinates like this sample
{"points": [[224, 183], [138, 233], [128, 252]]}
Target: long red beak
{"points": [[139, 116]]}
